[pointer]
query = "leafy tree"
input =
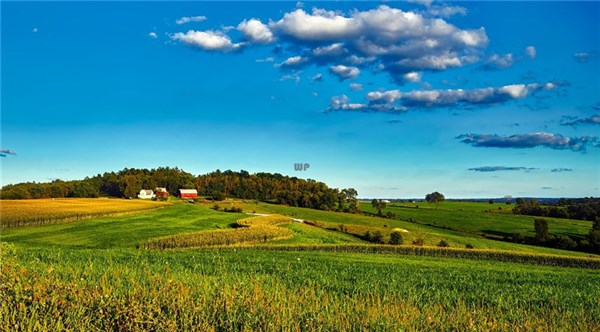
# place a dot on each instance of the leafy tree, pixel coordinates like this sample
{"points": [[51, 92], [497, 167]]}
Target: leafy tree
{"points": [[541, 230], [491, 201], [443, 243], [435, 197], [396, 238], [379, 205]]}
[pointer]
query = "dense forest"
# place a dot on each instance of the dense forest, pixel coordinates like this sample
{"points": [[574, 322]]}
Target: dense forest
{"points": [[218, 185]]}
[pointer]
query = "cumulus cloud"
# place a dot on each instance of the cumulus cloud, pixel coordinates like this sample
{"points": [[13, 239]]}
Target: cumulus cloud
{"points": [[457, 97], [207, 40], [498, 62], [345, 72], [530, 140], [560, 170], [255, 31], [294, 62], [380, 39], [592, 120], [356, 87], [188, 19], [413, 76], [152, 35], [343, 103], [487, 169], [531, 52], [584, 57]]}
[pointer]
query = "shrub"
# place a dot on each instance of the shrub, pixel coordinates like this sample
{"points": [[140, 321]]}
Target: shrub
{"points": [[518, 237], [377, 237], [469, 246], [443, 243], [418, 242], [396, 238], [216, 207], [541, 230], [563, 242]]}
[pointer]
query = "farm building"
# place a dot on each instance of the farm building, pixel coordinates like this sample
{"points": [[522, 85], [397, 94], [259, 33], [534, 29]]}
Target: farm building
{"points": [[146, 194], [161, 192], [188, 193]]}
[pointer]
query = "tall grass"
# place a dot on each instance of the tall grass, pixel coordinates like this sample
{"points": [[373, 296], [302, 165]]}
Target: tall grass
{"points": [[250, 290]]}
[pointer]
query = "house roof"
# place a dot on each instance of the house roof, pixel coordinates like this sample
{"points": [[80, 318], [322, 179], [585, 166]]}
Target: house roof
{"points": [[188, 191], [160, 189]]}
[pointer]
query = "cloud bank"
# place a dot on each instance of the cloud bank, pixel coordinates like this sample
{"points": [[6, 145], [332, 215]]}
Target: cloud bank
{"points": [[486, 169], [530, 140]]}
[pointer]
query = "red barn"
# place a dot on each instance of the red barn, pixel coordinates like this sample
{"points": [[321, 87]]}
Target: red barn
{"points": [[161, 192], [188, 193]]}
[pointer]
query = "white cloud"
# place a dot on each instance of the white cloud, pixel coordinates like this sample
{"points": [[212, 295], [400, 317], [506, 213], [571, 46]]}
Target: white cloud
{"points": [[317, 78], [456, 97], [497, 62], [291, 77], [413, 76], [34, 30], [447, 11], [269, 59], [531, 52], [335, 49], [207, 40], [255, 31], [356, 87], [345, 72], [188, 19], [320, 26], [152, 35], [294, 61], [343, 103]]}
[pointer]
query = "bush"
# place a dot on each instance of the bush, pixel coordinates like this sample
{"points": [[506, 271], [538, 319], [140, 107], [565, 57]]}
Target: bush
{"points": [[378, 237], [469, 246], [443, 243], [216, 207], [541, 230], [563, 242], [390, 215], [418, 242], [518, 237], [396, 238]]}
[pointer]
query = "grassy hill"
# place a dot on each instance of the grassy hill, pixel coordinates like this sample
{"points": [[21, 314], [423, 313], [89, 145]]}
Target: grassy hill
{"points": [[89, 274]]}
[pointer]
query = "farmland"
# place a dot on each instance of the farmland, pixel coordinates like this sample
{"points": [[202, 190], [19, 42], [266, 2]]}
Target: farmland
{"points": [[94, 274], [44, 211]]}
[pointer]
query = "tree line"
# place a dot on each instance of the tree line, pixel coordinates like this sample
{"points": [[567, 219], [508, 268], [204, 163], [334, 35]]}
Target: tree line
{"points": [[587, 208], [218, 185]]}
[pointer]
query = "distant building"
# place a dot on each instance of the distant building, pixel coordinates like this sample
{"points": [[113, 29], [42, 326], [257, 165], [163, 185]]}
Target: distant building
{"points": [[188, 193], [386, 200], [146, 194], [161, 192]]}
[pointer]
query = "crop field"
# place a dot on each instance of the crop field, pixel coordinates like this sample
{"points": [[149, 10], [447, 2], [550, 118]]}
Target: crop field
{"points": [[44, 211], [94, 274]]}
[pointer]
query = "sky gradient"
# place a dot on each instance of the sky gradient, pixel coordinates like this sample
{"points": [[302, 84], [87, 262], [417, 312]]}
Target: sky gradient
{"points": [[395, 99]]}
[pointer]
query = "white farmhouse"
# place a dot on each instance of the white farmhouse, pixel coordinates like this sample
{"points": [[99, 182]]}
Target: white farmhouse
{"points": [[146, 194]]}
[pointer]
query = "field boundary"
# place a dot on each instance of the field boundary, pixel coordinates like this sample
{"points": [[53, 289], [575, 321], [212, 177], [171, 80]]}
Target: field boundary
{"points": [[476, 254]]}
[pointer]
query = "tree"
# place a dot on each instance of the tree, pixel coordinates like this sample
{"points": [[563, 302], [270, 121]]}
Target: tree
{"points": [[435, 197], [396, 238], [378, 204], [491, 201], [541, 230]]}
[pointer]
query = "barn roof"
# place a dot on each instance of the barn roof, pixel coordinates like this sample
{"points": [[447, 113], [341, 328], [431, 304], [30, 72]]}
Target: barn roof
{"points": [[188, 191], [160, 189]]}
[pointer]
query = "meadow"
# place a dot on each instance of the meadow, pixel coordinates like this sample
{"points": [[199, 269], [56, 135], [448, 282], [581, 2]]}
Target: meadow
{"points": [[94, 274]]}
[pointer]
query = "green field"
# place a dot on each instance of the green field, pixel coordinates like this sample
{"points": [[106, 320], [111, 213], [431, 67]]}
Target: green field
{"points": [[90, 275]]}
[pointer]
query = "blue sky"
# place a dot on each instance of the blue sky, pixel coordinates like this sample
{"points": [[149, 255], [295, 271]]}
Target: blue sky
{"points": [[396, 99]]}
